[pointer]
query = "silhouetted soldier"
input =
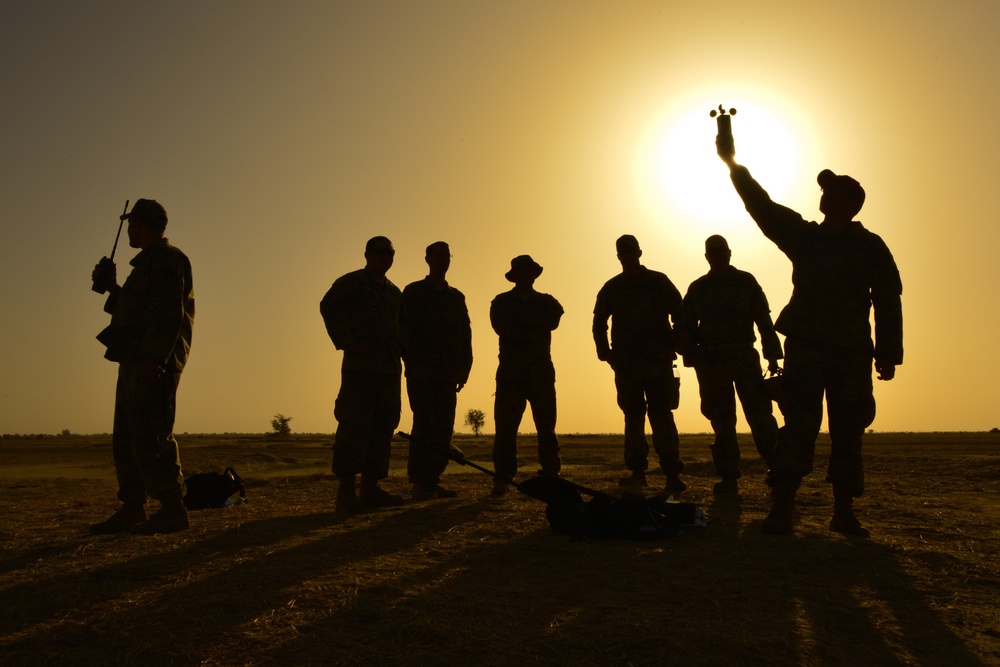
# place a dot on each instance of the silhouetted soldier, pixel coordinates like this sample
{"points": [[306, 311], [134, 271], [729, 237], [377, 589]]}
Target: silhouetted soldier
{"points": [[641, 304], [717, 339], [840, 270], [437, 349], [524, 319], [361, 313], [152, 316]]}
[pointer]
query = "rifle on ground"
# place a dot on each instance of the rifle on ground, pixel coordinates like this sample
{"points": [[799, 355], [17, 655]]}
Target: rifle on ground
{"points": [[107, 264], [632, 516], [538, 491]]}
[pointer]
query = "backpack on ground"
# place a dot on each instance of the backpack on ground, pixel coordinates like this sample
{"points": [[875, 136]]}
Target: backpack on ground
{"points": [[633, 516], [213, 489]]}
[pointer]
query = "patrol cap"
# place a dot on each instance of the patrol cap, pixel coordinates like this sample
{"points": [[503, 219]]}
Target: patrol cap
{"points": [[846, 185], [147, 210], [523, 262], [627, 242]]}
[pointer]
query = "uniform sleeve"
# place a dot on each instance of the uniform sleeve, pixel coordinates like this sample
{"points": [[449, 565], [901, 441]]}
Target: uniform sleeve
{"points": [[769, 341], [778, 223], [333, 308], [406, 313], [674, 303], [600, 326], [465, 346], [553, 315], [887, 290], [111, 301], [500, 317], [687, 326]]}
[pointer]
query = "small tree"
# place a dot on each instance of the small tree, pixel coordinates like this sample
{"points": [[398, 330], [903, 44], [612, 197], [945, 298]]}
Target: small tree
{"points": [[280, 424], [475, 420]]}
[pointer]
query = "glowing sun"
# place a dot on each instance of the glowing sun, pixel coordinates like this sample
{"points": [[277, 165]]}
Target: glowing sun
{"points": [[683, 184]]}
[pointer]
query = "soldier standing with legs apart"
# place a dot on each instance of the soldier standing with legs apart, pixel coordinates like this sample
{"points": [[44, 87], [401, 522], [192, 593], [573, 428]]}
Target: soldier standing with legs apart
{"points": [[361, 313], [152, 316], [840, 272], [436, 338], [524, 319], [641, 304], [717, 338]]}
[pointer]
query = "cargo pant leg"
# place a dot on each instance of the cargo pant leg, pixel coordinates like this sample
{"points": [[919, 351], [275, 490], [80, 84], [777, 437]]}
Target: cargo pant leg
{"points": [[148, 418], [718, 405], [385, 419], [353, 411], [803, 385], [542, 398], [632, 401], [508, 408], [851, 409], [662, 396], [367, 412], [433, 404], [131, 488], [757, 405]]}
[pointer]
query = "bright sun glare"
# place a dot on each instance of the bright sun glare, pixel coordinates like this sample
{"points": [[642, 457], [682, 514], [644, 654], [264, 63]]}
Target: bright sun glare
{"points": [[684, 185]]}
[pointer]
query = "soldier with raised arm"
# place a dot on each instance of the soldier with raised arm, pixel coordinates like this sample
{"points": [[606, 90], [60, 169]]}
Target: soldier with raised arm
{"points": [[840, 273]]}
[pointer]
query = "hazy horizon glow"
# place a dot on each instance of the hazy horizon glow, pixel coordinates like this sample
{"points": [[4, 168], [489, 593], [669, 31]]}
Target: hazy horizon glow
{"points": [[280, 139]]}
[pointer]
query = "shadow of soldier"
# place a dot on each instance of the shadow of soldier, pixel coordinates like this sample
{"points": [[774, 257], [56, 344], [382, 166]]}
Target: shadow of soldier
{"points": [[136, 610], [735, 597], [854, 599], [452, 582]]}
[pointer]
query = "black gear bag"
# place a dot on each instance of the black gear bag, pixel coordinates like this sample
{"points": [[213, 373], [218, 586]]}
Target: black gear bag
{"points": [[213, 489]]}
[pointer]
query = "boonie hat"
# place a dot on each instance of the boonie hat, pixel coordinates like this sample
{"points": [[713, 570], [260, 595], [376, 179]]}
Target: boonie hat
{"points": [[523, 262]]}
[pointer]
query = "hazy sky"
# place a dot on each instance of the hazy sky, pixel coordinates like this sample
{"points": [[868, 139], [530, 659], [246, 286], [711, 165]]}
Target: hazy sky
{"points": [[281, 136]]}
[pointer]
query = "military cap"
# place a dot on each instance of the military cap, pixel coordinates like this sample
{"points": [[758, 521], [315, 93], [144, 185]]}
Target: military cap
{"points": [[846, 185], [147, 210]]}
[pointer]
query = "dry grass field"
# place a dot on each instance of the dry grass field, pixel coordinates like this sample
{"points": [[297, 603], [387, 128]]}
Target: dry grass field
{"points": [[285, 581]]}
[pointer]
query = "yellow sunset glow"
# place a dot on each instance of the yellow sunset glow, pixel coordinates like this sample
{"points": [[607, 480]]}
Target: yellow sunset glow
{"points": [[280, 139], [680, 180]]}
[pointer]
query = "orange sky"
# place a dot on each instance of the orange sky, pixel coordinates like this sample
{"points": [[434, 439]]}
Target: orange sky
{"points": [[281, 137]]}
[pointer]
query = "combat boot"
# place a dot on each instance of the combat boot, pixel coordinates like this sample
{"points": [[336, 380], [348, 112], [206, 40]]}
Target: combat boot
{"points": [[127, 516], [635, 481], [674, 484], [843, 520], [728, 485], [372, 495], [430, 490], [421, 491], [172, 517], [445, 493], [347, 498], [779, 519]]}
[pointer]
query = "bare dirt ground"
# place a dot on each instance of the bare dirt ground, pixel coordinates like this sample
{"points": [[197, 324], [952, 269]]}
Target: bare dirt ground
{"points": [[285, 581]]}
